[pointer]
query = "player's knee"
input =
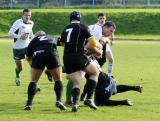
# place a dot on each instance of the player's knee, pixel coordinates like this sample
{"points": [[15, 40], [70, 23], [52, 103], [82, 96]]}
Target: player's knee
{"points": [[111, 60]]}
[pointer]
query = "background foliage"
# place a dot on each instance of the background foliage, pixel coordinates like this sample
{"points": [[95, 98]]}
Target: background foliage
{"points": [[128, 21]]}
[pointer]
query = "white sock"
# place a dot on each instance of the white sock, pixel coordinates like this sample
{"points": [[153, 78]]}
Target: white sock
{"points": [[110, 66]]}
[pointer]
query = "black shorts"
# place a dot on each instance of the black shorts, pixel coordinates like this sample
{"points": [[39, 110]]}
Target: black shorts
{"points": [[75, 62], [48, 59]]}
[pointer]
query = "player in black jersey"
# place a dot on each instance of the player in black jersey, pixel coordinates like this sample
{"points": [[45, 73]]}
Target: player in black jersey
{"points": [[41, 53], [76, 62], [106, 87]]}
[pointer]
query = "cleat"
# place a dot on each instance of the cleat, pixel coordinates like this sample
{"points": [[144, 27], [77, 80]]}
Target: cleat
{"points": [[82, 98], [139, 89], [60, 105], [90, 103], [27, 107], [68, 104], [75, 108], [48, 75], [129, 102], [18, 81]]}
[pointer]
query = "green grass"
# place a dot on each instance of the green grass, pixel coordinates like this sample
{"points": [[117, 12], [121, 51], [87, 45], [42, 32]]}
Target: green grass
{"points": [[135, 63]]}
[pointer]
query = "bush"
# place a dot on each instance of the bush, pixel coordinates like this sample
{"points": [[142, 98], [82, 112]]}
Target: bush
{"points": [[54, 20]]}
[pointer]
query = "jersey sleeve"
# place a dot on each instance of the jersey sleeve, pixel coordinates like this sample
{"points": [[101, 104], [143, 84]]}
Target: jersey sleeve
{"points": [[86, 32], [62, 40], [13, 29]]}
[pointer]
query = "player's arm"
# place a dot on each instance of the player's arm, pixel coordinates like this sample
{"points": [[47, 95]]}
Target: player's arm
{"points": [[13, 29], [112, 39], [94, 46], [30, 51], [104, 40]]}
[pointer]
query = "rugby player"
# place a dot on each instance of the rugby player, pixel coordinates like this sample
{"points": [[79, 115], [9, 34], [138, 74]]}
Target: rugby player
{"points": [[76, 62], [42, 52], [98, 32], [106, 87], [21, 32]]}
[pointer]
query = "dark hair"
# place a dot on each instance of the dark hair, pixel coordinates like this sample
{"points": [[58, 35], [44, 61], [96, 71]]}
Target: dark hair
{"points": [[26, 10], [109, 24], [101, 14]]}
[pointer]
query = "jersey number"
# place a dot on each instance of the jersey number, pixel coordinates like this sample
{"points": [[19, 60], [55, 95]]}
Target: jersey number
{"points": [[69, 33]]}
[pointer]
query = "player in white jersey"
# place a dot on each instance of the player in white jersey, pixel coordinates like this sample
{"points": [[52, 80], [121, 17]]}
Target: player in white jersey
{"points": [[21, 32], [97, 32]]}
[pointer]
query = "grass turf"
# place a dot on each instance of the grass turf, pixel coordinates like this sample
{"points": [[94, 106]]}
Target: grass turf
{"points": [[135, 63]]}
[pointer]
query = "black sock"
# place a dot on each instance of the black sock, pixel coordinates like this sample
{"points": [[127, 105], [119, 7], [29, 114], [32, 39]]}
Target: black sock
{"points": [[115, 102], [75, 94], [91, 88], [58, 87], [85, 88], [31, 92], [124, 88]]}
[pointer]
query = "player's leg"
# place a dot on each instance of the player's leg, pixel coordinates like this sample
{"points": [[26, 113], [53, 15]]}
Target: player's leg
{"points": [[124, 88], [76, 78], [32, 87], [69, 86], [93, 73], [109, 57], [18, 55], [49, 76], [118, 102], [85, 89], [58, 87], [18, 69]]}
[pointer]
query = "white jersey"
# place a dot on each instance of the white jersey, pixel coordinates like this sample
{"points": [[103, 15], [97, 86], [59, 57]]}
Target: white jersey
{"points": [[96, 31], [20, 28]]}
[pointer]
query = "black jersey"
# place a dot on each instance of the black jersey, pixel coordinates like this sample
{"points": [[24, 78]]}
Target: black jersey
{"points": [[74, 37], [41, 43]]}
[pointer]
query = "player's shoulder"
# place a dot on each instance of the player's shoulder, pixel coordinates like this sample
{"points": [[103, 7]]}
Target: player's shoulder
{"points": [[31, 22], [84, 26], [94, 27], [18, 21]]}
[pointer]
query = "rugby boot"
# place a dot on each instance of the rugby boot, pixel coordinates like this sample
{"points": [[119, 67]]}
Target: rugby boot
{"points": [[60, 105], [139, 88], [75, 107], [90, 103], [28, 106]]}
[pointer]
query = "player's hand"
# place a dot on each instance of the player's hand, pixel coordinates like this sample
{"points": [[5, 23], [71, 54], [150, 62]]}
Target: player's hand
{"points": [[24, 36]]}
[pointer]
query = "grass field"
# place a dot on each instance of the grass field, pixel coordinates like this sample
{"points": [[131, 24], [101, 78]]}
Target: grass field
{"points": [[135, 63]]}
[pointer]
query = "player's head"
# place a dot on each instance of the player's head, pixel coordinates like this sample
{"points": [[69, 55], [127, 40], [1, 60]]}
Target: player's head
{"points": [[39, 33], [26, 15], [108, 28], [75, 16], [101, 18]]}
